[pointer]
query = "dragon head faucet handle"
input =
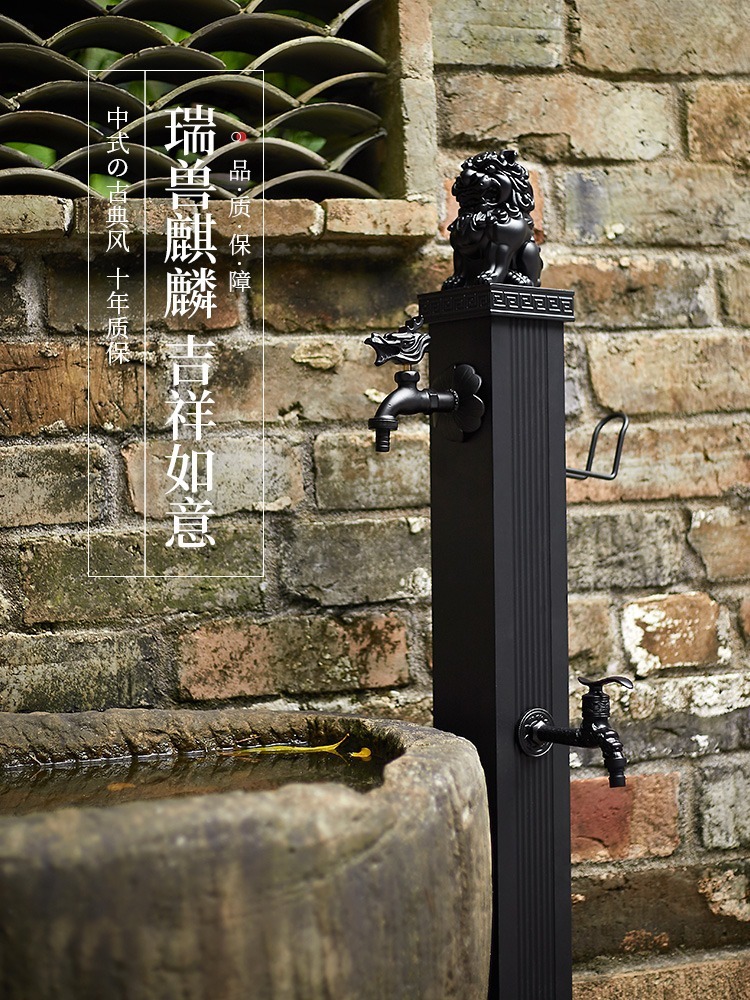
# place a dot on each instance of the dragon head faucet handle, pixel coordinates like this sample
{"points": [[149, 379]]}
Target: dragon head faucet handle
{"points": [[406, 346]]}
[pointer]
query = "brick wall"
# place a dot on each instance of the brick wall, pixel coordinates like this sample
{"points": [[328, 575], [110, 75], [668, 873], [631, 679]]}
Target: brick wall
{"points": [[633, 119], [341, 619]]}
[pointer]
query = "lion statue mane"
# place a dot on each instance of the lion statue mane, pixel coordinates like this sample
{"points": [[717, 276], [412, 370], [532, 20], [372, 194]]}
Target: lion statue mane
{"points": [[493, 235]]}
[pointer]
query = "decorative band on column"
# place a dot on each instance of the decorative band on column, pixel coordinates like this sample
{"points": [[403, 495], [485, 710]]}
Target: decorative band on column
{"points": [[497, 300]]}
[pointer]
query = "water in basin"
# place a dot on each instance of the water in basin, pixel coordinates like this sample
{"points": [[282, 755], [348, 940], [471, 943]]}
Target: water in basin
{"points": [[104, 783]]}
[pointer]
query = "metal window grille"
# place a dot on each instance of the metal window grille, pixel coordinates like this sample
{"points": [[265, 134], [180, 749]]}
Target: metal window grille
{"points": [[313, 119]]}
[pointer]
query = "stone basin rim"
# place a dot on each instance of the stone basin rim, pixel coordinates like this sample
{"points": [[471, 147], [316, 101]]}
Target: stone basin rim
{"points": [[179, 891], [413, 753], [119, 733]]}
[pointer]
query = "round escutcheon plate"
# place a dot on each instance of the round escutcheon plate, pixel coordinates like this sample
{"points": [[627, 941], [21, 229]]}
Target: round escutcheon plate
{"points": [[526, 736]]}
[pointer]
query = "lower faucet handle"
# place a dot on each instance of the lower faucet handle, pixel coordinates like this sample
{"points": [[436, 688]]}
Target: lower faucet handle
{"points": [[595, 702], [599, 685]]}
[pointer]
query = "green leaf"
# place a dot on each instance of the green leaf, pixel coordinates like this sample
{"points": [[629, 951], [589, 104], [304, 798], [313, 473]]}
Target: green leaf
{"points": [[170, 30], [95, 59], [233, 59], [45, 154], [307, 139], [101, 183]]}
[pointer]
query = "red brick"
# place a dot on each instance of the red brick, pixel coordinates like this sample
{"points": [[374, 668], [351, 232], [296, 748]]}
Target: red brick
{"points": [[745, 617], [628, 548], [689, 37], [633, 291], [665, 459], [283, 218], [662, 203], [722, 791], [560, 116], [667, 902], [39, 215], [272, 218], [13, 318], [703, 696], [590, 640], [721, 537], [78, 671], [77, 303], [343, 293], [236, 659], [716, 977], [306, 379], [685, 372], [717, 122], [56, 585], [638, 821], [411, 704], [673, 630], [246, 475], [517, 35], [415, 37], [324, 560], [734, 282], [350, 474], [363, 219], [47, 383], [48, 484]]}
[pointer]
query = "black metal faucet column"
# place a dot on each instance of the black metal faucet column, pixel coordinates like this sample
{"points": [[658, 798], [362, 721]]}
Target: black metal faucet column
{"points": [[499, 565], [499, 574]]}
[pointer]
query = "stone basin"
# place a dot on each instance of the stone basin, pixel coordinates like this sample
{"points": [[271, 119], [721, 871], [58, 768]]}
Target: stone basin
{"points": [[305, 892]]}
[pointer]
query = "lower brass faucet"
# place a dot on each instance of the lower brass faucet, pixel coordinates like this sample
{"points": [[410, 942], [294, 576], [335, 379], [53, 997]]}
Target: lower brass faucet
{"points": [[537, 732]]}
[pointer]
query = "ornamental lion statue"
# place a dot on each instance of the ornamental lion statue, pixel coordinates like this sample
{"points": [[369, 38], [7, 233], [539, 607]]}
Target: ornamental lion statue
{"points": [[493, 235]]}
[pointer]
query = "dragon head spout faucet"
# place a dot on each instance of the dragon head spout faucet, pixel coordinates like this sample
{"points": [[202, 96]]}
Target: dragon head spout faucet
{"points": [[454, 393]]}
